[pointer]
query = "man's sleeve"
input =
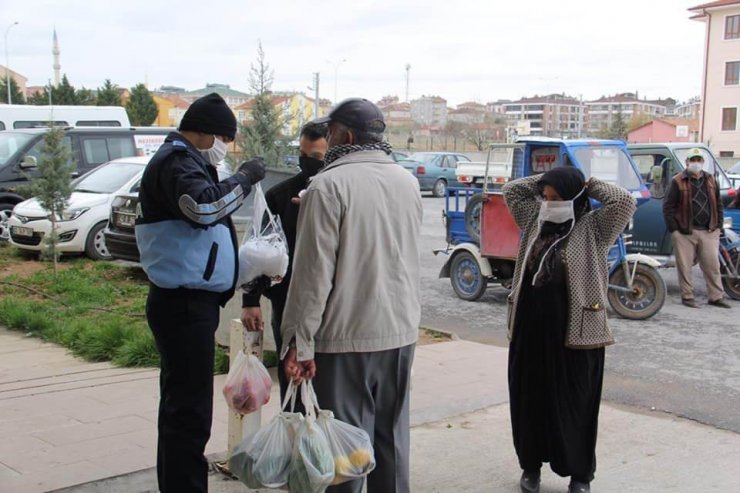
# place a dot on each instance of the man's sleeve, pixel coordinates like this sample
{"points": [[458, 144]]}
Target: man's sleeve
{"points": [[199, 201], [251, 298], [669, 206], [317, 247]]}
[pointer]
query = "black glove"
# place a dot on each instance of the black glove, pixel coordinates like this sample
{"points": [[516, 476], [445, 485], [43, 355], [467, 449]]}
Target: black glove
{"points": [[254, 169]]}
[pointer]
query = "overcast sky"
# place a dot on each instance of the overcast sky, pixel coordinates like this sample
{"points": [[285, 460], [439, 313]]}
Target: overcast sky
{"points": [[479, 50]]}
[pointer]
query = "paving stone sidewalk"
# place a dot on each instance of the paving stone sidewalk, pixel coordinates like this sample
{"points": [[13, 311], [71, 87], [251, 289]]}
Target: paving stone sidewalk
{"points": [[76, 427], [65, 422]]}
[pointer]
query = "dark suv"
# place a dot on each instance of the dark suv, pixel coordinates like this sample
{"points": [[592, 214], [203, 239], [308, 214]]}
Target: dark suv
{"points": [[89, 147]]}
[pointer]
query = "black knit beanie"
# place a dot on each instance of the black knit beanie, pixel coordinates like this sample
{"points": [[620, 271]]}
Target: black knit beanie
{"points": [[210, 115]]}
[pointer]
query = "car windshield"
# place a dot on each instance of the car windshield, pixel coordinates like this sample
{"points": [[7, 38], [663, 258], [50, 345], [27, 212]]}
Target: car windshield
{"points": [[10, 144], [710, 165], [107, 178], [735, 170], [609, 164]]}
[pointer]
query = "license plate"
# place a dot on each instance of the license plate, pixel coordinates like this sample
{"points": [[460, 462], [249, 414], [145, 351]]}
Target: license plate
{"points": [[21, 231], [126, 220]]}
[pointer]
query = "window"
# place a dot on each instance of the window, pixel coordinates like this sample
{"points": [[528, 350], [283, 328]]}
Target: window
{"points": [[2, 126], [98, 151], [732, 73], [729, 119], [732, 27], [37, 150], [38, 124], [98, 123]]}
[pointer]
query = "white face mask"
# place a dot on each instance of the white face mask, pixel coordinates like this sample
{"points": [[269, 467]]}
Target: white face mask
{"points": [[695, 167], [558, 211], [555, 211], [216, 153]]}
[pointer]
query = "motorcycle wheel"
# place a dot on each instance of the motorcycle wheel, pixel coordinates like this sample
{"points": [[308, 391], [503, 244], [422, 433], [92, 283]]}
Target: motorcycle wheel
{"points": [[645, 300], [466, 278], [732, 286], [472, 216]]}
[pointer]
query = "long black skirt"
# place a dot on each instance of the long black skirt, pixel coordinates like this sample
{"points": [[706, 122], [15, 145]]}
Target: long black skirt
{"points": [[554, 392]]}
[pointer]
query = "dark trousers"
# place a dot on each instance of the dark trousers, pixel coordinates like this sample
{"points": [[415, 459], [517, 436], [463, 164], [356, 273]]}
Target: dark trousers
{"points": [[184, 322], [371, 391]]}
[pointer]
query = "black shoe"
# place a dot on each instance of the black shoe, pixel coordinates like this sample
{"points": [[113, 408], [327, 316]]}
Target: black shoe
{"points": [[720, 303], [530, 482], [578, 487], [690, 302]]}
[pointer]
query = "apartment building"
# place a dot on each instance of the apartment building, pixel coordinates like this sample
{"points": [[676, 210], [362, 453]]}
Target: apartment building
{"points": [[720, 115], [601, 112], [554, 115], [232, 97], [429, 111], [690, 109]]}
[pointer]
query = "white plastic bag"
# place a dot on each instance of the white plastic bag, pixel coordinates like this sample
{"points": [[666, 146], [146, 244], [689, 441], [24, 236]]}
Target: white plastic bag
{"points": [[248, 384], [312, 465], [263, 459], [264, 251], [351, 448]]}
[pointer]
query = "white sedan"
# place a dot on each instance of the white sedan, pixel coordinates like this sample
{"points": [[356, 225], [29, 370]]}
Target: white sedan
{"points": [[80, 227]]}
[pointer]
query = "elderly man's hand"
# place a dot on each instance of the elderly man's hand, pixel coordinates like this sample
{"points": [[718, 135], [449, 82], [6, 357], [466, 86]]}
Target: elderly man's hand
{"points": [[298, 371], [252, 318]]}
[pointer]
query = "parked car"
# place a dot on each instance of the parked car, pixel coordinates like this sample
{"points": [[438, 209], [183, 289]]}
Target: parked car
{"points": [[399, 156], [290, 160], [734, 174], [658, 164], [434, 170], [119, 233], [80, 227], [89, 147]]}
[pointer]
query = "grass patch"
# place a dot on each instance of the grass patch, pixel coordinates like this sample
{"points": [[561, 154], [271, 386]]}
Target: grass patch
{"points": [[95, 309]]}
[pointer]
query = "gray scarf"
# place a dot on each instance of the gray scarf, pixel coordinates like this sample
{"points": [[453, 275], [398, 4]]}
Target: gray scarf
{"points": [[342, 150]]}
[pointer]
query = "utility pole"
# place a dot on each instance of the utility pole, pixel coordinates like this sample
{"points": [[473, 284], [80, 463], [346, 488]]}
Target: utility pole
{"points": [[336, 75], [580, 116], [408, 70], [316, 95]]}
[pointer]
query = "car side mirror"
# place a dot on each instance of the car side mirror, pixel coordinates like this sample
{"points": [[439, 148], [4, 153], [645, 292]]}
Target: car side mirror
{"points": [[28, 162]]}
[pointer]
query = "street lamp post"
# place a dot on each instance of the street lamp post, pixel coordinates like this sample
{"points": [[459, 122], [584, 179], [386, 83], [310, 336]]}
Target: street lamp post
{"points": [[336, 72], [7, 68]]}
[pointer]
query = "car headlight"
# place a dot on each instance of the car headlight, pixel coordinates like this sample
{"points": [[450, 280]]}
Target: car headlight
{"points": [[727, 223], [72, 214]]}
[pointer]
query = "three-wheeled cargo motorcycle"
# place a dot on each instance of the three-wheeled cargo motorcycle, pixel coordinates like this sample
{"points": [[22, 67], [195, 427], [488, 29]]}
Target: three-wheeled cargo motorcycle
{"points": [[483, 238]]}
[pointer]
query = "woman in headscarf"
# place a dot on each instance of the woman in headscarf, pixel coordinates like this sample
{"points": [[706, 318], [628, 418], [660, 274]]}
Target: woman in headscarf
{"points": [[557, 319]]}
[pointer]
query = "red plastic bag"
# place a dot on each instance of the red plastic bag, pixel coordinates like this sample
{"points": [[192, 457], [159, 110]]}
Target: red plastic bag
{"points": [[248, 384]]}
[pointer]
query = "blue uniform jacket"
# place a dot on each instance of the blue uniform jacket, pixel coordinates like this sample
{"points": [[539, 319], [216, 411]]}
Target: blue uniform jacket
{"points": [[183, 228]]}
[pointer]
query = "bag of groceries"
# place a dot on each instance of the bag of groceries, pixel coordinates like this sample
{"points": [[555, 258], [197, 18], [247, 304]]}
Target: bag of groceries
{"points": [[312, 465], [264, 251], [248, 384], [350, 446], [263, 459]]}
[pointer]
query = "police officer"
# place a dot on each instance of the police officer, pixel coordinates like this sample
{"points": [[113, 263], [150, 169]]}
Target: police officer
{"points": [[188, 250]]}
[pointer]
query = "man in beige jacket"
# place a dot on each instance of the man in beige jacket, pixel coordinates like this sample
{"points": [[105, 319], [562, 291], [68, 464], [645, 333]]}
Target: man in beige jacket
{"points": [[352, 315]]}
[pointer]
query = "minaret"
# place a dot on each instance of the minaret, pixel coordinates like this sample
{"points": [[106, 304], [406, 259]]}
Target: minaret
{"points": [[57, 66]]}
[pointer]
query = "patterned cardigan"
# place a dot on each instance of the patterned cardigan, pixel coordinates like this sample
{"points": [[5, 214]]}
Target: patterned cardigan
{"points": [[584, 256]]}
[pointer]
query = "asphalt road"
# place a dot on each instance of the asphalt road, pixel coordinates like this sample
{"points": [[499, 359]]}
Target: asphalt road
{"points": [[684, 361]]}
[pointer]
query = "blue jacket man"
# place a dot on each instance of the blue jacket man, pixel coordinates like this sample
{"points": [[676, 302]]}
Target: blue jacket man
{"points": [[188, 250]]}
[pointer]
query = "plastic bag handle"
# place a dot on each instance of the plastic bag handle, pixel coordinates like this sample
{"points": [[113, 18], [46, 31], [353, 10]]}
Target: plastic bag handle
{"points": [[259, 210], [312, 396], [290, 395]]}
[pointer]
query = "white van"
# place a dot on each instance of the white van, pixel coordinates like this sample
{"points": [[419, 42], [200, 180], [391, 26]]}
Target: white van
{"points": [[17, 116]]}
